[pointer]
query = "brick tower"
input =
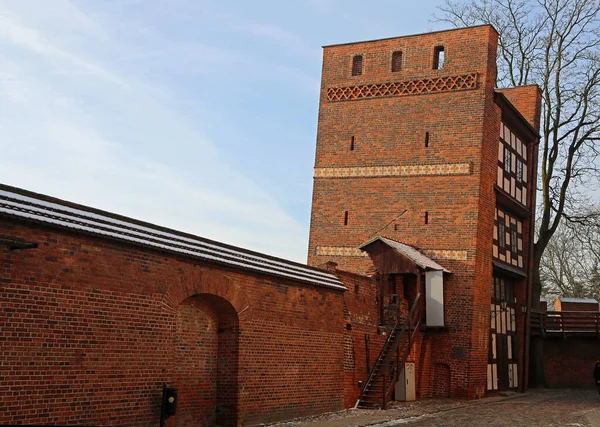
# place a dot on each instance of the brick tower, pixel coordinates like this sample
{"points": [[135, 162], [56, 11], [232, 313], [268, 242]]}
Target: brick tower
{"points": [[414, 144]]}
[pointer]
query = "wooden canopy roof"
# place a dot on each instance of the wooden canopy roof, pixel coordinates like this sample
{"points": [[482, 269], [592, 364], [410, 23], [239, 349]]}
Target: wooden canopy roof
{"points": [[392, 257]]}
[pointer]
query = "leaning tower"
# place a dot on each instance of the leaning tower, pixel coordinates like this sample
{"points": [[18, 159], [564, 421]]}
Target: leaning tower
{"points": [[414, 144]]}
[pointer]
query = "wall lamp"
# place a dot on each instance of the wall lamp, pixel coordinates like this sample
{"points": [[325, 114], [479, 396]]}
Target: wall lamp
{"points": [[503, 308]]}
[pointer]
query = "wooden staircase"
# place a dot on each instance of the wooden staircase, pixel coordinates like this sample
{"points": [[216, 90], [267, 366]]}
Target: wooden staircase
{"points": [[377, 391]]}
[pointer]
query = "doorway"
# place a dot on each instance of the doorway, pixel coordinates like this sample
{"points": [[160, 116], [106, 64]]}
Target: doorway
{"points": [[502, 364]]}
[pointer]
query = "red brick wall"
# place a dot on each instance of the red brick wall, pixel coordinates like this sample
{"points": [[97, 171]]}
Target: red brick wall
{"points": [[92, 328], [391, 131], [575, 306], [528, 100], [362, 316], [570, 363], [463, 126], [196, 349]]}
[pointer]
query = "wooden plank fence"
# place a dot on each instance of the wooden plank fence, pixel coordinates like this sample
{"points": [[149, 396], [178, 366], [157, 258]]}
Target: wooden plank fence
{"points": [[565, 323]]}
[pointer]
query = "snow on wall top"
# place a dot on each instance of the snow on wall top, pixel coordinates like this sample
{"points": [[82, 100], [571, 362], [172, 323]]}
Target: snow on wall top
{"points": [[30, 206], [579, 300]]}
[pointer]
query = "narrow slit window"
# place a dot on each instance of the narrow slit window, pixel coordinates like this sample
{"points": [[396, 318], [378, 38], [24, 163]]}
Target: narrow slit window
{"points": [[357, 65], [438, 57], [346, 218], [426, 217], [352, 143], [426, 139], [396, 61]]}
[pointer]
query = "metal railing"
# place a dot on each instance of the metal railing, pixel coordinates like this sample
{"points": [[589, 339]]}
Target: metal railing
{"points": [[393, 355], [403, 344]]}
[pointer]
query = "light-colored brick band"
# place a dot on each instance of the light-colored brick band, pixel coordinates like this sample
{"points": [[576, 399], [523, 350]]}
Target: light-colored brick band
{"points": [[456, 255], [340, 251], [405, 170], [412, 87], [446, 254]]}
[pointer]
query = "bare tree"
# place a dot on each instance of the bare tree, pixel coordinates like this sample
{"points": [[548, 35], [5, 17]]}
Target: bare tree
{"points": [[570, 266], [555, 44]]}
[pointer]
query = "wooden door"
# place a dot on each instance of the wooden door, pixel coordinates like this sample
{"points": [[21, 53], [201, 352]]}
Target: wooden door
{"points": [[502, 365]]}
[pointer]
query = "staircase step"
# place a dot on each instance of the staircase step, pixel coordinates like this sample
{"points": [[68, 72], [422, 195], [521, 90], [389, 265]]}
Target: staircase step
{"points": [[367, 406]]}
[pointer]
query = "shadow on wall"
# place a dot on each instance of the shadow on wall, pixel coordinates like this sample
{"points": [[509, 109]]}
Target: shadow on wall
{"points": [[441, 380], [206, 370]]}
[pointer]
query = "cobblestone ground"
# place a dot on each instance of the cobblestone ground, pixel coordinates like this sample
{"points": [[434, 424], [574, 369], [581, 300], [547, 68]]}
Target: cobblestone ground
{"points": [[534, 408]]}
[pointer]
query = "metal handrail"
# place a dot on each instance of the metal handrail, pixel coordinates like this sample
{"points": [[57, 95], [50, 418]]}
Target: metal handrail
{"points": [[377, 362], [385, 361], [392, 364]]}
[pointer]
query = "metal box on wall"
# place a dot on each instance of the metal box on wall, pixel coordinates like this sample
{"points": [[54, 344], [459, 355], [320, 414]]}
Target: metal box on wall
{"points": [[405, 387]]}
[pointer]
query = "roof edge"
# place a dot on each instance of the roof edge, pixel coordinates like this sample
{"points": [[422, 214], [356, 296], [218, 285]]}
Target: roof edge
{"points": [[92, 210], [514, 109], [424, 268], [411, 35]]}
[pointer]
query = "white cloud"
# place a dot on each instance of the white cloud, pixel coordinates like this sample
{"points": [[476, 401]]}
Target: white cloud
{"points": [[12, 31], [82, 126]]}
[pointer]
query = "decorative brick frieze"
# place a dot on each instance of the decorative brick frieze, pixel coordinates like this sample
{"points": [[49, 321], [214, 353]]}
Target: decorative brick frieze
{"points": [[340, 251], [349, 251], [404, 170], [455, 255], [412, 87]]}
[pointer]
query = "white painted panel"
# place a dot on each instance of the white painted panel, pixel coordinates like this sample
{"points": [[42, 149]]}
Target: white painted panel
{"points": [[434, 298], [405, 387], [495, 375], [501, 320], [515, 376], [490, 383], [493, 346], [509, 341]]}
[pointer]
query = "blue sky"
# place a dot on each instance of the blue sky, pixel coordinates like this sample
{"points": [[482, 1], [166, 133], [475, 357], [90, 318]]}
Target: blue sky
{"points": [[192, 114]]}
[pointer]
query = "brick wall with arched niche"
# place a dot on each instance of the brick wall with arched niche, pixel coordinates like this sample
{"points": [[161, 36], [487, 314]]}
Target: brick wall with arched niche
{"points": [[206, 349]]}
